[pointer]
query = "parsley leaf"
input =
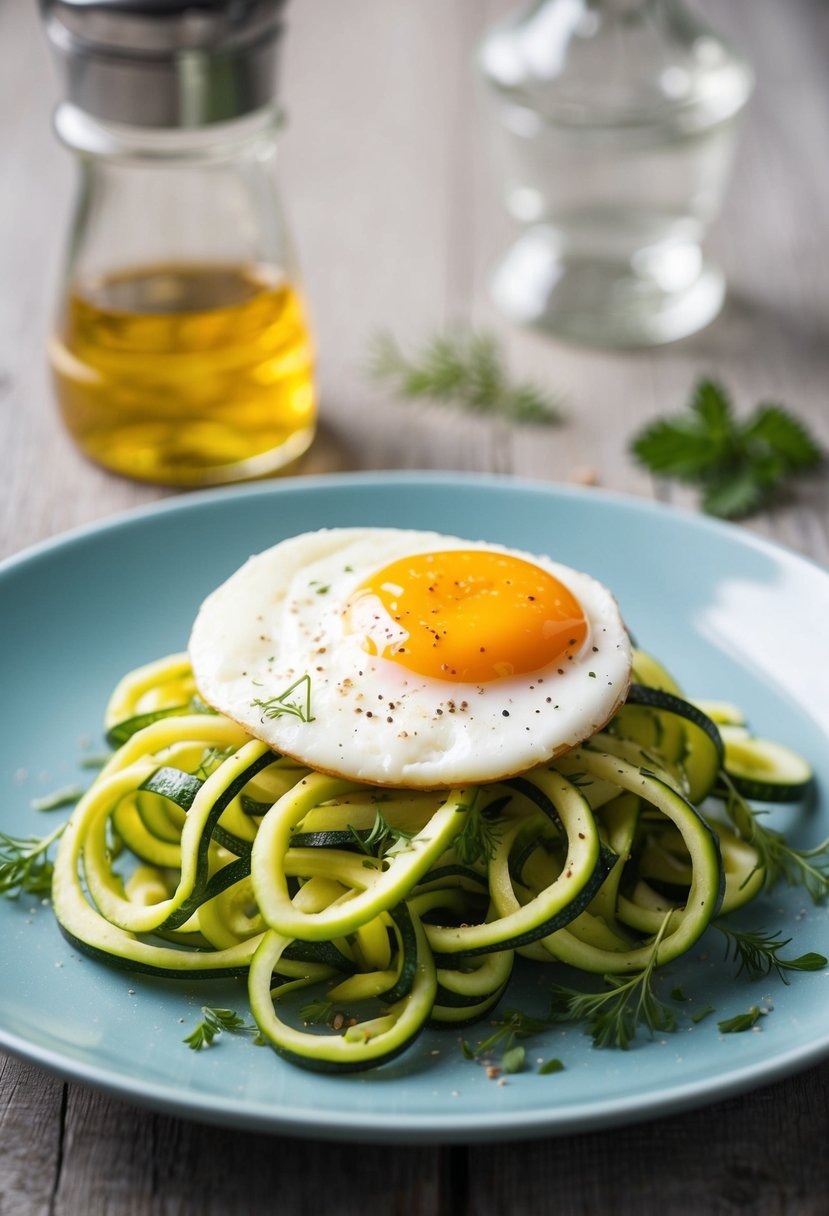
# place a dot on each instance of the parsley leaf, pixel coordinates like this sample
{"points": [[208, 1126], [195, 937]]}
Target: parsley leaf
{"points": [[740, 1023], [701, 1014], [514, 1058], [316, 1012], [549, 1067], [739, 465], [213, 1022], [509, 1031]]}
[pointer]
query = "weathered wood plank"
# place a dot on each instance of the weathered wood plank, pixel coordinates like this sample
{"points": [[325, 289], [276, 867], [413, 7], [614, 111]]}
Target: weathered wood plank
{"points": [[31, 1133], [117, 1159], [763, 1154]]}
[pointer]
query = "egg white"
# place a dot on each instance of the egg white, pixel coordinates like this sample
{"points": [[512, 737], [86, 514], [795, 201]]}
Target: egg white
{"points": [[281, 618]]}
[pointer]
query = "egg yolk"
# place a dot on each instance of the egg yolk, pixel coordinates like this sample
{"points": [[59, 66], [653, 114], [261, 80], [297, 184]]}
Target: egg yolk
{"points": [[467, 615]]}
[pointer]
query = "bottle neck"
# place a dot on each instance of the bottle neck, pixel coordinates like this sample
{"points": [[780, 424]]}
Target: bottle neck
{"points": [[82, 133]]}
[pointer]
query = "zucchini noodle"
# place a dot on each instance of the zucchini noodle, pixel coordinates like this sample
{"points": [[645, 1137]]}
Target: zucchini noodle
{"points": [[198, 851]]}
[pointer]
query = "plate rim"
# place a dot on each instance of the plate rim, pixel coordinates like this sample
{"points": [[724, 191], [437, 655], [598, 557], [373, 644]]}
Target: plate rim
{"points": [[394, 1127], [384, 478]]}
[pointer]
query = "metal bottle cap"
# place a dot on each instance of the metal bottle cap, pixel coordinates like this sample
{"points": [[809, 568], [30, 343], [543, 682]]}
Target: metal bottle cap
{"points": [[166, 63]]}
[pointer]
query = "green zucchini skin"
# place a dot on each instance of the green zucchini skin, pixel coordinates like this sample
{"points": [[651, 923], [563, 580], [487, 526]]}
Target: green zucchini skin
{"points": [[704, 750], [123, 731], [587, 866], [117, 954], [707, 887], [338, 1053], [765, 771], [595, 862]]}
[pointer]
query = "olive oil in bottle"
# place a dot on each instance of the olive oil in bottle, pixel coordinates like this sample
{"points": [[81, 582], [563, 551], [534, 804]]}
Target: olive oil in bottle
{"points": [[181, 352], [186, 374]]}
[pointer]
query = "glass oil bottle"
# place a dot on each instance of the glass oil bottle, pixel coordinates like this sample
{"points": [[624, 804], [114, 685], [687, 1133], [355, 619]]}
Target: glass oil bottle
{"points": [[181, 352]]}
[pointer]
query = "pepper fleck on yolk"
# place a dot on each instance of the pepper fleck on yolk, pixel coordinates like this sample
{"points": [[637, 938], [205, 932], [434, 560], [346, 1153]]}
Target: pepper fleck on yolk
{"points": [[467, 615]]}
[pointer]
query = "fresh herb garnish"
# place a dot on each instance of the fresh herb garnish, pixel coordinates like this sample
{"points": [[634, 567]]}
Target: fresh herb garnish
{"points": [[57, 800], [381, 837], [614, 1016], [549, 1067], [808, 868], [25, 864], [212, 757], [477, 840], [275, 707], [740, 1023], [213, 1023], [758, 955], [514, 1058], [739, 464], [96, 760], [316, 1013], [465, 369], [513, 1027], [702, 1013]]}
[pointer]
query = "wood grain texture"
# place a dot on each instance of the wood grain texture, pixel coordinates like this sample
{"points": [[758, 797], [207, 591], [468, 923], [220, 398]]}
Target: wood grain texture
{"points": [[31, 1137], [155, 1163], [761, 1155], [394, 204]]}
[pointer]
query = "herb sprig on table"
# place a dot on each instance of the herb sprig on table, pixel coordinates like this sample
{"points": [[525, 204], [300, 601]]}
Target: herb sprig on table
{"points": [[463, 368], [739, 464], [25, 864]]}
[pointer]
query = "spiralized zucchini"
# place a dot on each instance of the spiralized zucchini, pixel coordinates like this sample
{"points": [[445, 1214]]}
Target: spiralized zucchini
{"points": [[198, 851]]}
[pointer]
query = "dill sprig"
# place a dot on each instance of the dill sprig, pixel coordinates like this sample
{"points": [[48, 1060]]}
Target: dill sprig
{"points": [[614, 1016], [462, 368], [381, 837], [213, 1023], [808, 868], [25, 864], [276, 707], [478, 839], [758, 953]]}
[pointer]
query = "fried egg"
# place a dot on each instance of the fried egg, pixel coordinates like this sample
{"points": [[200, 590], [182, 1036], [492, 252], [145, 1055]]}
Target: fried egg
{"points": [[411, 659]]}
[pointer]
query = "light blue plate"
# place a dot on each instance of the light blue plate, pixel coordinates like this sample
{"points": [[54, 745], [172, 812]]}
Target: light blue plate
{"points": [[735, 618]]}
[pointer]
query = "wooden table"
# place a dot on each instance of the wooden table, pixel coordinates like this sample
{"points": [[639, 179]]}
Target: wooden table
{"points": [[398, 223]]}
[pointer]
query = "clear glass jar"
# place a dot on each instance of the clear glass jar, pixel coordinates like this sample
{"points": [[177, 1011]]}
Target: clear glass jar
{"points": [[181, 352], [616, 123]]}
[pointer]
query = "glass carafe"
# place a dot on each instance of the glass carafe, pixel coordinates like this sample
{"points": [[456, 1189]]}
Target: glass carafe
{"points": [[615, 125]]}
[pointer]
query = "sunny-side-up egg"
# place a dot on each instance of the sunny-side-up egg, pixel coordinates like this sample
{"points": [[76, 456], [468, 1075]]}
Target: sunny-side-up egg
{"points": [[411, 659]]}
